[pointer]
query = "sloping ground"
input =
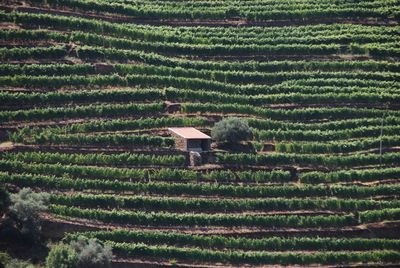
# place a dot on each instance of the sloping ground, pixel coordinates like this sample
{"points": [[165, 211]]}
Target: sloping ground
{"points": [[89, 88]]}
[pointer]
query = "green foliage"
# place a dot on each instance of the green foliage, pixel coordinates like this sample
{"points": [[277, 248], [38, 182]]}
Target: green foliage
{"points": [[327, 103], [301, 98], [350, 175], [288, 114], [185, 88], [166, 34], [61, 256], [218, 11], [35, 162], [123, 159], [91, 253], [26, 205], [308, 159], [105, 140], [81, 97], [19, 54], [168, 188], [231, 130], [91, 110], [5, 258], [115, 125], [392, 214], [258, 146], [227, 76], [81, 252], [14, 263], [339, 135], [353, 123], [7, 262], [241, 243], [260, 257], [202, 219], [177, 204], [340, 146]]}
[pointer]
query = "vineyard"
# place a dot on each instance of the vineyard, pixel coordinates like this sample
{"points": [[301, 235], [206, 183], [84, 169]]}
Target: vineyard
{"points": [[89, 90]]}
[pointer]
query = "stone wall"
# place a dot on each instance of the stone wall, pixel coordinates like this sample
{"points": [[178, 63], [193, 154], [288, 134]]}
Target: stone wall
{"points": [[195, 159], [180, 143]]}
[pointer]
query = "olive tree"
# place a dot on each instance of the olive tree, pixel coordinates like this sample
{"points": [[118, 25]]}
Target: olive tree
{"points": [[231, 130], [26, 205], [80, 253]]}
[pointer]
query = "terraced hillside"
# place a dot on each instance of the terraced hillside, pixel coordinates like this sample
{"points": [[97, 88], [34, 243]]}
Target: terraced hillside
{"points": [[89, 88]]}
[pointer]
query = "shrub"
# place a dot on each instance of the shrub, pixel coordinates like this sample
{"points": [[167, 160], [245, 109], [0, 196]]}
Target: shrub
{"points": [[80, 253], [62, 256], [19, 264], [4, 259], [91, 254], [7, 262], [231, 130], [258, 146]]}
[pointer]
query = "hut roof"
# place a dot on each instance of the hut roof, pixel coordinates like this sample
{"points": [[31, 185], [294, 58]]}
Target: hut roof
{"points": [[189, 133]]}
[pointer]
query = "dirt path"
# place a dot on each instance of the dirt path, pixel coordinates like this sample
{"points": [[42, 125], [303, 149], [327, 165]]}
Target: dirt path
{"points": [[6, 146]]}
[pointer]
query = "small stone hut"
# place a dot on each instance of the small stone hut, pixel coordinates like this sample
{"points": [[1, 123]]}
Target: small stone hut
{"points": [[190, 139]]}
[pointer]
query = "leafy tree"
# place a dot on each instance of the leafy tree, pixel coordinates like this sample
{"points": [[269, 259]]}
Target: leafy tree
{"points": [[62, 256], [231, 130], [80, 253], [26, 206], [91, 254]]}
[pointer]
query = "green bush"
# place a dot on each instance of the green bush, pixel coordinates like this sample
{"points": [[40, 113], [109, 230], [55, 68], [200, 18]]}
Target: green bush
{"points": [[231, 130], [7, 262], [19, 264], [91, 254], [4, 259], [81, 252], [61, 256]]}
